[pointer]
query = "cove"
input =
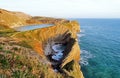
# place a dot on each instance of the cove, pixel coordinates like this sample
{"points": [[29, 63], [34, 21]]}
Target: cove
{"points": [[32, 27]]}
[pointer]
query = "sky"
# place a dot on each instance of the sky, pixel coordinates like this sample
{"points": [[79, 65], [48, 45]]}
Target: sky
{"points": [[65, 8]]}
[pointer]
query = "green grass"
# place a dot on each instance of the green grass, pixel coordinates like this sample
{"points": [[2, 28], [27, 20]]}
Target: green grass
{"points": [[1, 48], [22, 74], [5, 63], [6, 31], [19, 64], [3, 76], [24, 44]]}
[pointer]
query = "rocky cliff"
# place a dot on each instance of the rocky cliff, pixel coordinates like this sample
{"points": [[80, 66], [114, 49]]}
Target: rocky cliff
{"points": [[50, 20], [42, 41]]}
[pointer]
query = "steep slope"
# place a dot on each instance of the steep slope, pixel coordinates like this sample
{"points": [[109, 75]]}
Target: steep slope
{"points": [[41, 40], [18, 61]]}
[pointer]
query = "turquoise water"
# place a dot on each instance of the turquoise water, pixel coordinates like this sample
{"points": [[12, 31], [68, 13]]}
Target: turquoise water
{"points": [[32, 27], [100, 47]]}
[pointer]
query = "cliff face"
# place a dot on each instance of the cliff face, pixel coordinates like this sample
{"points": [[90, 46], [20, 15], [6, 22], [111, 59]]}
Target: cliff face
{"points": [[49, 20], [43, 39]]}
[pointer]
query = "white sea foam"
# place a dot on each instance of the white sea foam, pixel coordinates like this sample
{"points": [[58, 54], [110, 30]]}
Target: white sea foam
{"points": [[80, 35], [85, 56], [82, 30], [58, 48], [55, 70]]}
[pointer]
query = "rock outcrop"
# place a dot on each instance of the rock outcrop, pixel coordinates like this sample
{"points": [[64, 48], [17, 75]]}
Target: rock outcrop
{"points": [[43, 39]]}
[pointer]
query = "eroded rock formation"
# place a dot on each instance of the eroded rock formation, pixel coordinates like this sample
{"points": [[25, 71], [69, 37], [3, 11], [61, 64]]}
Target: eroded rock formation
{"points": [[43, 39]]}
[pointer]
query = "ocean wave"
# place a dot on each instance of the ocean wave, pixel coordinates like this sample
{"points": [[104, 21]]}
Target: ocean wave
{"points": [[82, 30], [85, 56], [58, 48], [80, 35]]}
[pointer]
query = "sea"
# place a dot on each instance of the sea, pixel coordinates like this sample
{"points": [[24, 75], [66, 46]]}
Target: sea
{"points": [[99, 40]]}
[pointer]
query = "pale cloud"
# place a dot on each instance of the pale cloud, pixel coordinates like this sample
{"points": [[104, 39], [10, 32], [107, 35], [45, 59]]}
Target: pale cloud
{"points": [[66, 8]]}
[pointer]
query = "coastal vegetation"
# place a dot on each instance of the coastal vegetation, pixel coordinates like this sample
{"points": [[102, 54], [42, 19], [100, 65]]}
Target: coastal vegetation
{"points": [[6, 31], [19, 62], [23, 54]]}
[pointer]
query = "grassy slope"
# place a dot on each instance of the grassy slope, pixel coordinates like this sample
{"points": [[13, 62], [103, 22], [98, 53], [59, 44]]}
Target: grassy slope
{"points": [[17, 61], [6, 31], [14, 19]]}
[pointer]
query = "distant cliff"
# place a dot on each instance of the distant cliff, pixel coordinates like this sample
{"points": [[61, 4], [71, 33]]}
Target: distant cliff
{"points": [[49, 20], [13, 19], [41, 41]]}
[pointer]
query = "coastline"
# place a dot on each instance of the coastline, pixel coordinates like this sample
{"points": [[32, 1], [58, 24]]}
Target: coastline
{"points": [[40, 40]]}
